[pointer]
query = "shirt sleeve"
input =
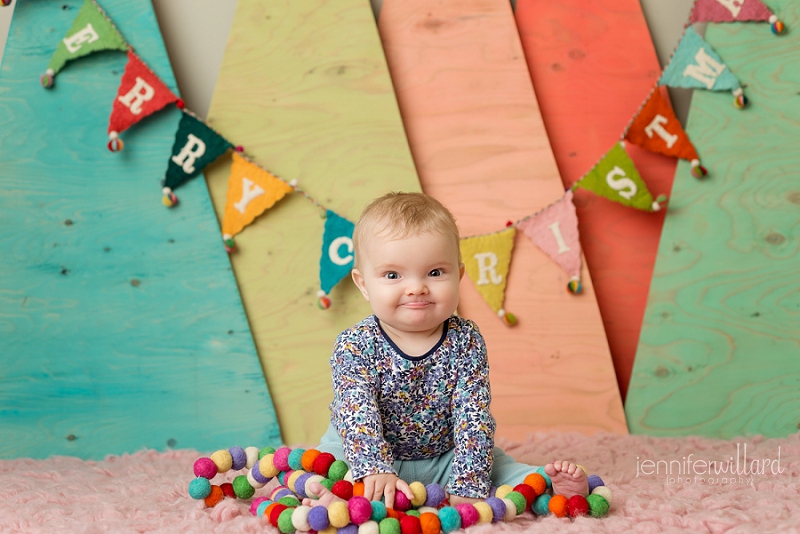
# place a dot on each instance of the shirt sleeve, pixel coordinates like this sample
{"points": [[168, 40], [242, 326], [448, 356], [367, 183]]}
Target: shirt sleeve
{"points": [[474, 425], [355, 412]]}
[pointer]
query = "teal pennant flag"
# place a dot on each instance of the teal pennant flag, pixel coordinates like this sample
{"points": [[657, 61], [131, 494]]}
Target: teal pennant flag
{"points": [[696, 65], [337, 251]]}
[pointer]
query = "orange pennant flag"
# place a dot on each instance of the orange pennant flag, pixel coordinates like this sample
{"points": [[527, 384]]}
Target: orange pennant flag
{"points": [[251, 191], [657, 129]]}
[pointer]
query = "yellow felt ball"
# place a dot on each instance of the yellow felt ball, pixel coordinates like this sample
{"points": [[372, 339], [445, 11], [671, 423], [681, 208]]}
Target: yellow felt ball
{"points": [[267, 466], [293, 478], [502, 491], [223, 460], [330, 530], [420, 493], [485, 514], [338, 514]]}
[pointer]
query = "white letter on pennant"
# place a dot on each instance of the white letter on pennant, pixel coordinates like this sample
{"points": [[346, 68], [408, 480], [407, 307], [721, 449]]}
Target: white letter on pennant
{"points": [[333, 250], [707, 71], [141, 93], [625, 186], [562, 245], [191, 151], [249, 192], [734, 6], [487, 261], [77, 39], [656, 126]]}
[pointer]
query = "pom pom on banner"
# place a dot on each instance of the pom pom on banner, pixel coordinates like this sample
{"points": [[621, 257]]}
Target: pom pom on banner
{"points": [[5, 3], [169, 199], [509, 318], [228, 243], [574, 286], [180, 104], [776, 25], [740, 100], [698, 171], [323, 301], [659, 201], [115, 144], [47, 78]]}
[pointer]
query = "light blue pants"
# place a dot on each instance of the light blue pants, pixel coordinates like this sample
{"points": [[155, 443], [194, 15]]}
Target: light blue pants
{"points": [[437, 470]]}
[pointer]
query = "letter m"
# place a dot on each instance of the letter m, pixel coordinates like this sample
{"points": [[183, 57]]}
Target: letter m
{"points": [[706, 71]]}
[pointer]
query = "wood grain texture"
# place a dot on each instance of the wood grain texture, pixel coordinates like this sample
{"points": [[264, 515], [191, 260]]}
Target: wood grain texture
{"points": [[120, 320], [719, 345], [305, 88], [481, 148], [592, 65]]}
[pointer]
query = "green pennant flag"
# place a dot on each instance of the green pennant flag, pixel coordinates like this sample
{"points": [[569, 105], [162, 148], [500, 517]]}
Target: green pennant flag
{"points": [[615, 177], [91, 31], [196, 145]]}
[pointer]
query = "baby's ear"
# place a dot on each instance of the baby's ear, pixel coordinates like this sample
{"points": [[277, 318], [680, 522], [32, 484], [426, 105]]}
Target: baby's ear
{"points": [[358, 279]]}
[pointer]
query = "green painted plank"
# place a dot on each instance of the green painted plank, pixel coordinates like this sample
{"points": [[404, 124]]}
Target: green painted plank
{"points": [[718, 354], [304, 87], [120, 320]]}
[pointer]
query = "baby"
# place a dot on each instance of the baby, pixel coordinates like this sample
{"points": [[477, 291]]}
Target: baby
{"points": [[411, 382]]}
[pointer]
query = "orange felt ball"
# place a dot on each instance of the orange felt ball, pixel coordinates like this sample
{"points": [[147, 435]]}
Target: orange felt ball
{"points": [[537, 482], [215, 496], [358, 489], [307, 460], [558, 505], [394, 514], [430, 524]]}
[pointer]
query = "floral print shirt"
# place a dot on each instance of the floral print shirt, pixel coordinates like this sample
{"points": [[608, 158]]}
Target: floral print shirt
{"points": [[390, 406]]}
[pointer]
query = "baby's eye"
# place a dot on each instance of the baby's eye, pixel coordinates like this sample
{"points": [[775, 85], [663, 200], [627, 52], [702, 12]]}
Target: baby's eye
{"points": [[435, 272], [391, 275]]}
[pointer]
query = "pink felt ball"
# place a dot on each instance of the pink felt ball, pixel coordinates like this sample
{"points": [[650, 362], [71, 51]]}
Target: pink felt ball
{"points": [[360, 509], [281, 458], [205, 467], [469, 514], [401, 502]]}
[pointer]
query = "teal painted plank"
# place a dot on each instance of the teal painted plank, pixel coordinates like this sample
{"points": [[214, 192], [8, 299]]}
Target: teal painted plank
{"points": [[121, 323], [718, 354]]}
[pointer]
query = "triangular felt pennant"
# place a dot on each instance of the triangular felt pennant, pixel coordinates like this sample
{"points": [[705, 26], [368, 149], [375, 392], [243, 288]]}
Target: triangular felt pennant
{"points": [[487, 259], [729, 11], [251, 191], [91, 31], [196, 145], [555, 231], [615, 177], [337, 256], [657, 129], [695, 64], [141, 93]]}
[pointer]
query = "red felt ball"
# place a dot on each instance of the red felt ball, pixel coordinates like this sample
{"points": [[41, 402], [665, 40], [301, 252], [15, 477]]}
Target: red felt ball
{"points": [[275, 513], [322, 463], [343, 489], [528, 492], [227, 489], [410, 525], [577, 505]]}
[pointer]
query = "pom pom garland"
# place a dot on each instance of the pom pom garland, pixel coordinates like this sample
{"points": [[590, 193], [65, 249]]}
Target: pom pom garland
{"points": [[47, 78], [427, 512], [740, 101], [169, 199], [698, 171], [229, 243], [777, 26], [115, 144], [323, 300], [509, 318]]}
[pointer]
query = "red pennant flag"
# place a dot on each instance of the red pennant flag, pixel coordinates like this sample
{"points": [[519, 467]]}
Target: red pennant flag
{"points": [[730, 11], [657, 129], [141, 93]]}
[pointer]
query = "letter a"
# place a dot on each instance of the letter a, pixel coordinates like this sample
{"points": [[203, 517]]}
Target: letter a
{"points": [[138, 95], [193, 149], [487, 263], [77, 39], [249, 192]]}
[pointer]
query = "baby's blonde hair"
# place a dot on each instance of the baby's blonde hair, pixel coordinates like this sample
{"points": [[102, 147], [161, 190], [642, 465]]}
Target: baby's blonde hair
{"points": [[400, 214]]}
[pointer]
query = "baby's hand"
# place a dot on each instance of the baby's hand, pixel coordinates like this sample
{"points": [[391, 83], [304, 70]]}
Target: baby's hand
{"points": [[455, 499], [385, 485], [568, 479]]}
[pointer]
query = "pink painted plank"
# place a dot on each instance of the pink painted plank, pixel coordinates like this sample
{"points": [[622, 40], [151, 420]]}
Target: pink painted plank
{"points": [[592, 65], [480, 146]]}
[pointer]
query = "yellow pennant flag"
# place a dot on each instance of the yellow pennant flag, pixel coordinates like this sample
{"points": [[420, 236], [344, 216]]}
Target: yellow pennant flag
{"points": [[487, 259], [251, 191]]}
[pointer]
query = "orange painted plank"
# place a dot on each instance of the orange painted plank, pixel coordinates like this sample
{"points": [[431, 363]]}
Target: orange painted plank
{"points": [[480, 147], [592, 65]]}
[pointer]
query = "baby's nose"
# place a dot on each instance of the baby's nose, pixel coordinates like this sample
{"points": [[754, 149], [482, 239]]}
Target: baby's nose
{"points": [[416, 287]]}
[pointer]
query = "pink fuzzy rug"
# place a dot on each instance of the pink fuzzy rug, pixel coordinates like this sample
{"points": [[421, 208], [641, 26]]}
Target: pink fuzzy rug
{"points": [[146, 491]]}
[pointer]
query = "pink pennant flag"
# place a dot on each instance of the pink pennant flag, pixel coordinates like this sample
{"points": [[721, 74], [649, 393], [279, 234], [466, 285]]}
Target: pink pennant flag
{"points": [[730, 11], [141, 93], [555, 231]]}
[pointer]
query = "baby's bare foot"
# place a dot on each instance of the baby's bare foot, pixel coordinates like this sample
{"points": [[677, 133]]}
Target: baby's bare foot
{"points": [[325, 496], [568, 479]]}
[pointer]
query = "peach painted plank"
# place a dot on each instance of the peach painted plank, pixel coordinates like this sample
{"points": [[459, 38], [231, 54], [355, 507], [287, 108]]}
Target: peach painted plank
{"points": [[592, 65], [480, 146]]}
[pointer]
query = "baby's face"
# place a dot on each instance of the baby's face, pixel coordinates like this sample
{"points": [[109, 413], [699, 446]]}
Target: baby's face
{"points": [[411, 282]]}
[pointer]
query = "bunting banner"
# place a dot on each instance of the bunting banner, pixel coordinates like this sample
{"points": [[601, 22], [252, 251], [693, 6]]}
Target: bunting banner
{"points": [[555, 231], [141, 93], [91, 31], [487, 259], [735, 11], [337, 256], [251, 192], [196, 146], [615, 177]]}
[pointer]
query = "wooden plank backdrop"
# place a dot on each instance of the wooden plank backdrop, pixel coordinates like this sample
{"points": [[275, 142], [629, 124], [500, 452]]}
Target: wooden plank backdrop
{"points": [[305, 89], [120, 320], [719, 345], [480, 147], [592, 65]]}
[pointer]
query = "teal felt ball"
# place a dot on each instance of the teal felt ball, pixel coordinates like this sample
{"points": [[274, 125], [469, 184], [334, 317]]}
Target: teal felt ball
{"points": [[540, 505], [450, 519], [200, 488]]}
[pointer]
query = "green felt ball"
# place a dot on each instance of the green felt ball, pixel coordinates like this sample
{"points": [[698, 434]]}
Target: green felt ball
{"points": [[285, 524], [291, 502], [389, 525], [518, 499], [266, 450], [328, 483], [242, 488], [412, 512], [598, 506], [337, 470]]}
